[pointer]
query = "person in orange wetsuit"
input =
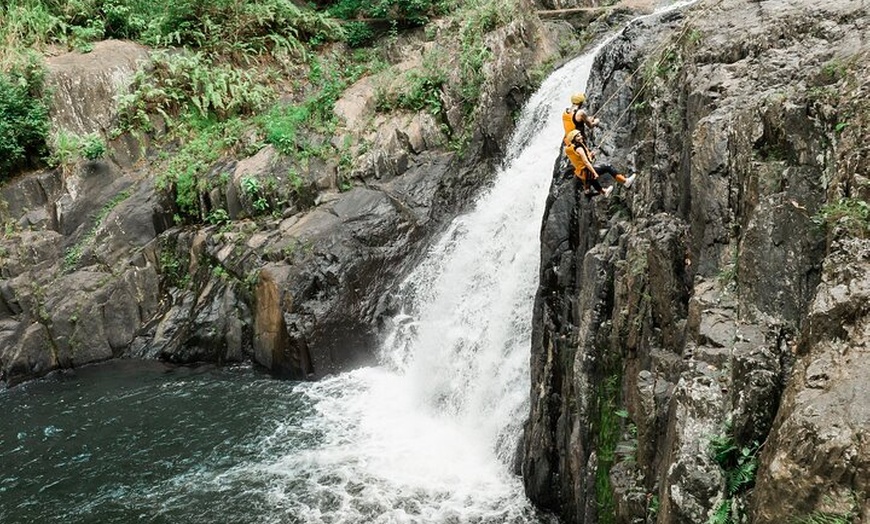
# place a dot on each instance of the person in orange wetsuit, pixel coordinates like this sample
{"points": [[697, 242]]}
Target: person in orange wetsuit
{"points": [[575, 117], [581, 158]]}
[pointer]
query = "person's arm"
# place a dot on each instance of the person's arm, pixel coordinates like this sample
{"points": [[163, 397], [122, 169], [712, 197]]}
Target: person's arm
{"points": [[586, 162], [580, 117]]}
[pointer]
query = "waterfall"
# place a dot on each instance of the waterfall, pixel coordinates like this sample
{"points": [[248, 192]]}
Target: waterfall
{"points": [[462, 344], [429, 435]]}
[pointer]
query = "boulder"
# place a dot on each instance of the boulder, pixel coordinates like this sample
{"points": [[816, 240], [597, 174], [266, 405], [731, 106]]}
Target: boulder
{"points": [[85, 87]]}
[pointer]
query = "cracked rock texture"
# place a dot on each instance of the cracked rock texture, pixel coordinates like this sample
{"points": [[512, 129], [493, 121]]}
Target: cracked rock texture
{"points": [[724, 297]]}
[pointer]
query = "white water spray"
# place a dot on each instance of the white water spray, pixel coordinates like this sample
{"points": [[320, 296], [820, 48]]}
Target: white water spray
{"points": [[428, 435]]}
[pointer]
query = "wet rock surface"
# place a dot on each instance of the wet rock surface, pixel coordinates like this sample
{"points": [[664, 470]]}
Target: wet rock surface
{"points": [[717, 304]]}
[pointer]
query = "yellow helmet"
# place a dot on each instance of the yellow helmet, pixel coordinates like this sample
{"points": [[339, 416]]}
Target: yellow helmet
{"points": [[578, 98], [572, 135]]}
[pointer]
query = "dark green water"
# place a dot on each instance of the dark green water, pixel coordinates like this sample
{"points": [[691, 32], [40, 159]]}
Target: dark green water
{"points": [[127, 441], [139, 442]]}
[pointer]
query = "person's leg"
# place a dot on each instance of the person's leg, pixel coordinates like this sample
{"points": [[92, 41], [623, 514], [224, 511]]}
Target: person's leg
{"points": [[617, 175], [582, 185], [596, 186], [608, 169]]}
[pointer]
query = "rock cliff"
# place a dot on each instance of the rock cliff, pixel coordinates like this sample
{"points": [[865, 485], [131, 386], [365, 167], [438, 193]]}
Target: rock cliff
{"points": [[700, 340]]}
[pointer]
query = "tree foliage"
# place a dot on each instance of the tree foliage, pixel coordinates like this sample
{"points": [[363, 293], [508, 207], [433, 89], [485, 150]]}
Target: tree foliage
{"points": [[23, 116], [413, 12], [223, 26]]}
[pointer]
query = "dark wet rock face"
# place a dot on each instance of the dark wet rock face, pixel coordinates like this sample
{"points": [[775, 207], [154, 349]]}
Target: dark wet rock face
{"points": [[719, 305]]}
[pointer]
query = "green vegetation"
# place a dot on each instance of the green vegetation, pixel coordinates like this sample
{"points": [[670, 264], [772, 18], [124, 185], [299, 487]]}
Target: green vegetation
{"points": [[228, 76], [218, 216], [173, 267], [419, 89], [219, 271], [738, 464], [219, 74], [480, 17], [852, 215], [252, 189], [398, 12], [289, 126], [835, 70], [233, 27], [23, 115], [206, 141], [92, 147], [190, 85], [74, 254], [830, 517], [68, 148], [826, 518], [727, 276], [652, 508], [422, 89], [609, 428], [209, 107], [358, 34]]}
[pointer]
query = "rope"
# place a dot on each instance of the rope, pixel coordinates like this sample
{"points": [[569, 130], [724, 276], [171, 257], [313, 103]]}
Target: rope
{"points": [[657, 51]]}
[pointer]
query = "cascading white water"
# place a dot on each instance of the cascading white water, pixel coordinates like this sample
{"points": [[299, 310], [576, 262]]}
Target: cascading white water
{"points": [[428, 435]]}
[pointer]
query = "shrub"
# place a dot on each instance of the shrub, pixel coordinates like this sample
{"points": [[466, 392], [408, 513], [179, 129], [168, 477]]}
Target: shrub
{"points": [[185, 176], [28, 24], [283, 125], [414, 12], [68, 148], [850, 214], [247, 26], [93, 147], [222, 26], [64, 148], [358, 34], [424, 92], [481, 17], [23, 116], [184, 83]]}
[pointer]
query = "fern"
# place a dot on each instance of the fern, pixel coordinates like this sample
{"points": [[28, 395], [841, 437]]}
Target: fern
{"points": [[829, 517], [743, 474], [851, 214], [722, 515], [181, 83], [824, 518], [722, 446], [739, 465]]}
